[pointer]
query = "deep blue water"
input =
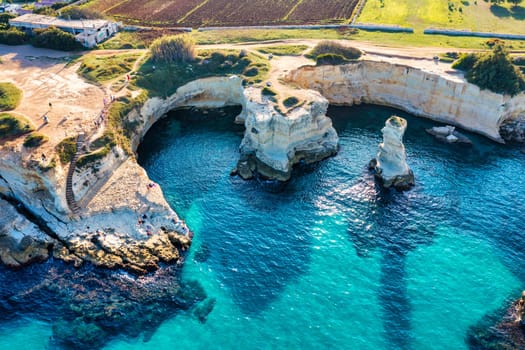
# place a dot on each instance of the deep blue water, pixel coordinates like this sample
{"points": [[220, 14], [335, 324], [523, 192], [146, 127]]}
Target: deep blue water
{"points": [[333, 261]]}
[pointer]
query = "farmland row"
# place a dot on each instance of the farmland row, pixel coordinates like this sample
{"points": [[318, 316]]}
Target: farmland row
{"points": [[196, 13]]}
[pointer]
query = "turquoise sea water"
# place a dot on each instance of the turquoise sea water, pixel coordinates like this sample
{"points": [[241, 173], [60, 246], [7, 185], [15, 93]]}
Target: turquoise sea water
{"points": [[332, 261]]}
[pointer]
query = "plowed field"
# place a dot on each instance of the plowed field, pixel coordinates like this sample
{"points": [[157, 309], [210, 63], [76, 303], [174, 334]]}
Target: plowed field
{"points": [[198, 13]]}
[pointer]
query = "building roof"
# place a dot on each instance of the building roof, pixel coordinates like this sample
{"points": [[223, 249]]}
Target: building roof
{"points": [[31, 19]]}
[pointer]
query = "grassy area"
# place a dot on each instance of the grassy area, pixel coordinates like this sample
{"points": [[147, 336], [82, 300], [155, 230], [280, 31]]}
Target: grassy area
{"points": [[253, 35], [283, 50], [104, 68], [66, 149], [476, 15], [417, 39], [13, 126], [123, 40], [35, 139], [10, 96], [164, 79]]}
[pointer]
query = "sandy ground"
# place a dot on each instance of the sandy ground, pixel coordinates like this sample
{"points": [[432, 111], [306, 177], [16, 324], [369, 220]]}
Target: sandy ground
{"points": [[51, 87]]}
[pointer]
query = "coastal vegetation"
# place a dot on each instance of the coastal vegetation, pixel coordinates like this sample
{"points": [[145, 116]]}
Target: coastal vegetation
{"points": [[103, 68], [173, 49], [331, 52], [494, 71], [35, 139], [10, 96], [13, 126], [283, 50], [162, 78], [56, 39], [66, 149]]}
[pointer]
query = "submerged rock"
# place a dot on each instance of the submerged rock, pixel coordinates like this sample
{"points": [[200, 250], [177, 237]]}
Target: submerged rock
{"points": [[501, 330], [90, 306], [390, 165], [448, 134]]}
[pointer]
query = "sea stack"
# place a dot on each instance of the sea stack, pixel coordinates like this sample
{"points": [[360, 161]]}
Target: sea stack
{"points": [[390, 166]]}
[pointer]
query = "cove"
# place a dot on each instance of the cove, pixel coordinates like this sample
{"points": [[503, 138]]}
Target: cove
{"points": [[332, 261]]}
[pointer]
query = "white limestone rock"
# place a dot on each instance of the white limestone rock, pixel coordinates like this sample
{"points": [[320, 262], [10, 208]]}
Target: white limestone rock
{"points": [[390, 163], [441, 97], [274, 141]]}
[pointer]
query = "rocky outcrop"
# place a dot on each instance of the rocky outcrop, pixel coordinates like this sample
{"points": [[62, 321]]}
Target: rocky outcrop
{"points": [[513, 129], [390, 165], [449, 99], [274, 141], [21, 241]]}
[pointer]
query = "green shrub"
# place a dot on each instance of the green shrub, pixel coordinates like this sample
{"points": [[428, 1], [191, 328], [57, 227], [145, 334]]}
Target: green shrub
{"points": [[13, 36], [330, 59], [66, 149], [34, 140], [465, 62], [266, 91], [290, 101], [332, 47], [172, 49], [76, 12], [12, 126], [56, 39], [92, 157], [10, 96], [493, 71], [5, 17]]}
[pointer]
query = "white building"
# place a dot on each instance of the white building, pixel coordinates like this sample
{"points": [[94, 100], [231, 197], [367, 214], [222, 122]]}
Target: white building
{"points": [[89, 32]]}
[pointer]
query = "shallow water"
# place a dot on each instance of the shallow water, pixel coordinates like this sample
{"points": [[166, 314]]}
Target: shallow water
{"points": [[333, 261]]}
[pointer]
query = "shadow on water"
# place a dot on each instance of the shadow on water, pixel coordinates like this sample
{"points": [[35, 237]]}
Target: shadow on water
{"points": [[395, 227], [248, 234]]}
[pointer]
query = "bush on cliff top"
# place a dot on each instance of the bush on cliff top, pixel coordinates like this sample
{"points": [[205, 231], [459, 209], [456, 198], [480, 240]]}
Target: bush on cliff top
{"points": [[10, 96], [34, 140], [66, 149], [334, 48], [12, 126], [330, 59], [493, 71], [173, 48], [13, 36]]}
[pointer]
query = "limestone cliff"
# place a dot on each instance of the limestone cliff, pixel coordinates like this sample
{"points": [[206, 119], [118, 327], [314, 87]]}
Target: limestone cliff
{"points": [[443, 98], [390, 164]]}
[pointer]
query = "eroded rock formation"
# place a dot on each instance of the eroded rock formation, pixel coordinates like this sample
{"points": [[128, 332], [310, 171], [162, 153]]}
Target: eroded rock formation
{"points": [[390, 165], [274, 141]]}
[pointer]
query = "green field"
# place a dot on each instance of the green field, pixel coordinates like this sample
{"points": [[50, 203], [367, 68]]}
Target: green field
{"points": [[467, 14], [389, 39]]}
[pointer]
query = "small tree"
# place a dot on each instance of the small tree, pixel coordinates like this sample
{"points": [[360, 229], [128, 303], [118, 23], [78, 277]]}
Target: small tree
{"points": [[54, 38], [173, 48], [493, 71]]}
